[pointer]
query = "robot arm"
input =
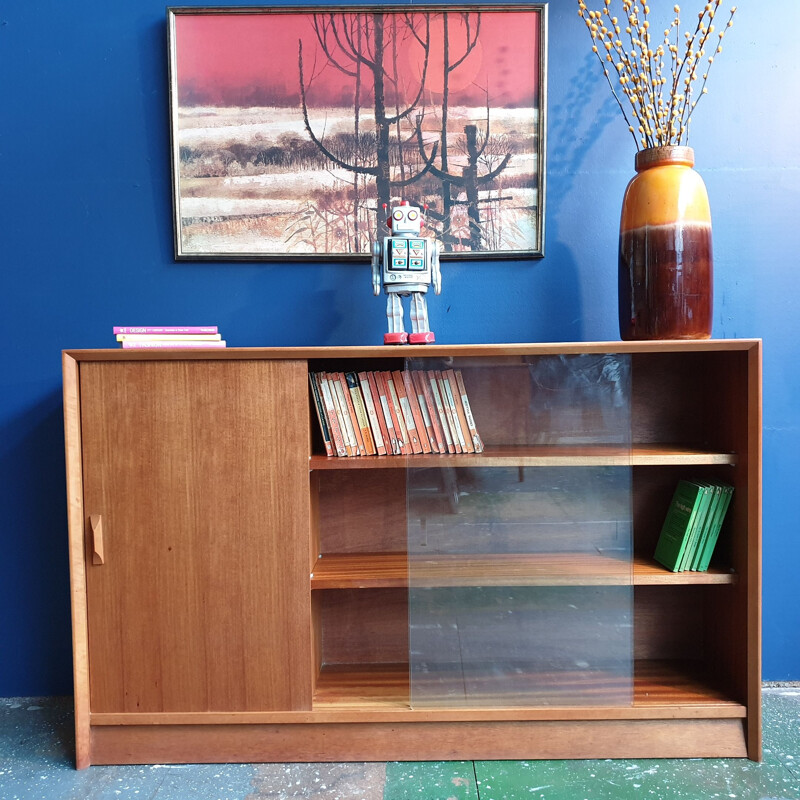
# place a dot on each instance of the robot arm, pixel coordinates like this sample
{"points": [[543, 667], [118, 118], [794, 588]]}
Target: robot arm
{"points": [[436, 272], [376, 268]]}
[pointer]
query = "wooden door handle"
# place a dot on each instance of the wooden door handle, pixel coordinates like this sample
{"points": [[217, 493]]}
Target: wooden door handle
{"points": [[96, 525]]}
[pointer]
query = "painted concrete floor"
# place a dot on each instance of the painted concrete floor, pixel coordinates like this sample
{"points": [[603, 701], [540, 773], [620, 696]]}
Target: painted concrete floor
{"points": [[36, 752]]}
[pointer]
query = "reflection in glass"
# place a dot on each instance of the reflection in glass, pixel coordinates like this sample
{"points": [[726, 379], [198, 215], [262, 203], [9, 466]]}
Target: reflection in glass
{"points": [[520, 589]]}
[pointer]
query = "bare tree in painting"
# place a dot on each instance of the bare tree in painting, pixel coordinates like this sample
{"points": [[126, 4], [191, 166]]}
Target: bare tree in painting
{"points": [[468, 182], [451, 61], [365, 46], [457, 45]]}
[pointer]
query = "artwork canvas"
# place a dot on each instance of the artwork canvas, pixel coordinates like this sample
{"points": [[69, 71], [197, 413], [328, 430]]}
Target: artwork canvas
{"points": [[293, 129]]}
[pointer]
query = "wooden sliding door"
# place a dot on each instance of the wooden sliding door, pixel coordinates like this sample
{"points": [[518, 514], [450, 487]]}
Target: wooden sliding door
{"points": [[196, 504]]}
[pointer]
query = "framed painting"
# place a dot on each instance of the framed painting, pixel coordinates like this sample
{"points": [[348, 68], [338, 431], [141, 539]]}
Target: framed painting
{"points": [[293, 129]]}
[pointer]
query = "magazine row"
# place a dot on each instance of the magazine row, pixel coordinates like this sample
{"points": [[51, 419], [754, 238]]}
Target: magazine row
{"points": [[692, 525], [400, 412]]}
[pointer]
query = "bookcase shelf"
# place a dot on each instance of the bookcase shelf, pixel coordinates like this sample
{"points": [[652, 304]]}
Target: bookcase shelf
{"points": [[675, 688], [391, 570], [238, 595], [538, 456]]}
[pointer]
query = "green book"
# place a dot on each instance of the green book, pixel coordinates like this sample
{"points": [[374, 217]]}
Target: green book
{"points": [[677, 527], [711, 540], [698, 524], [698, 540]]}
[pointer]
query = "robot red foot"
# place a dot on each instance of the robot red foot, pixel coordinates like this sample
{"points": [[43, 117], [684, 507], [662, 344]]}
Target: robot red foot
{"points": [[395, 338], [424, 337]]}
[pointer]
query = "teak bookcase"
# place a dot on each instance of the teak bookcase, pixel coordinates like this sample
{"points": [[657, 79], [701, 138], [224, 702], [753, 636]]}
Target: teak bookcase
{"points": [[239, 596]]}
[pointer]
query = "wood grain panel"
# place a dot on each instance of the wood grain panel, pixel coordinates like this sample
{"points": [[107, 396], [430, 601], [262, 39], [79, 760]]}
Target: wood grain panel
{"points": [[675, 684], [755, 423], [667, 404], [199, 470], [372, 711], [538, 456], [362, 511], [363, 686], [669, 621], [391, 570], [364, 626], [181, 744], [512, 353], [77, 571]]}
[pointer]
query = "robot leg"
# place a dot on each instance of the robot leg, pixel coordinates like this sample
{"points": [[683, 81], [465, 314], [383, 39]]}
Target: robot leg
{"points": [[394, 315], [419, 320]]}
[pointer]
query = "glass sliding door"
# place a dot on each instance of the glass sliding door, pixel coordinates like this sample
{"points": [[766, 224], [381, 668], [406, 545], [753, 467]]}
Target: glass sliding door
{"points": [[520, 576]]}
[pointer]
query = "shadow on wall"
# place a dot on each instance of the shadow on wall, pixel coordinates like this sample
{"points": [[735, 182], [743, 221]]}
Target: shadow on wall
{"points": [[580, 120], [577, 120], [34, 576]]}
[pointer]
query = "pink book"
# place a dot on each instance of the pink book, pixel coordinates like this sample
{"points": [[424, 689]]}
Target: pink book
{"points": [[428, 407], [167, 329], [416, 410], [392, 431], [332, 414], [369, 405], [437, 398], [128, 345], [404, 406]]}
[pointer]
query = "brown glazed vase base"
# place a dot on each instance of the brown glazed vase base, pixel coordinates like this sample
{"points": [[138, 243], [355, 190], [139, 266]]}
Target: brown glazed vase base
{"points": [[665, 282]]}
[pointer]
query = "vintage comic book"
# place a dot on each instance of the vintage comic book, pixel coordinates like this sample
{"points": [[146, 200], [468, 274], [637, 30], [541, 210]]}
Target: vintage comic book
{"points": [[362, 418], [320, 409], [372, 402]]}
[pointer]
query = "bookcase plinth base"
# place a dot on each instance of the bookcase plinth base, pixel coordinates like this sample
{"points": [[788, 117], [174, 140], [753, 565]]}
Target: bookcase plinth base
{"points": [[182, 744]]}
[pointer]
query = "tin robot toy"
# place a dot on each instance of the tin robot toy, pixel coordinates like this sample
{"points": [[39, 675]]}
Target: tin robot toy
{"points": [[406, 263]]}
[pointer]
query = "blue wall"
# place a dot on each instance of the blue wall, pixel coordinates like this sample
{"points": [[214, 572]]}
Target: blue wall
{"points": [[86, 242]]}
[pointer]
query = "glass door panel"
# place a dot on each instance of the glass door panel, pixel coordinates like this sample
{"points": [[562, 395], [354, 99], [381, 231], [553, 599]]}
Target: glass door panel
{"points": [[520, 576]]}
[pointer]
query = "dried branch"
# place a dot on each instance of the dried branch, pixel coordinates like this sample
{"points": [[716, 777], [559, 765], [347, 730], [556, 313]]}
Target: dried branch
{"points": [[662, 115]]}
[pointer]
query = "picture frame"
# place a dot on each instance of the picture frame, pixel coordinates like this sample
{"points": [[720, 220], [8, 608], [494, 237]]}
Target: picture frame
{"points": [[292, 128]]}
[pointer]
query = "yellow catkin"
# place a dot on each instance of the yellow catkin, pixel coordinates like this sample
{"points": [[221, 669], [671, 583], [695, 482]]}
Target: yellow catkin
{"points": [[661, 96]]}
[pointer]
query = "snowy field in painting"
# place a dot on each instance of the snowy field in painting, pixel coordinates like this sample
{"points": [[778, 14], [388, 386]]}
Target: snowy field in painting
{"points": [[235, 197]]}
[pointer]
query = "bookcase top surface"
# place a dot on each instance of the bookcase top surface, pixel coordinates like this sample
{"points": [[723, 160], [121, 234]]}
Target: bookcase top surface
{"points": [[416, 351]]}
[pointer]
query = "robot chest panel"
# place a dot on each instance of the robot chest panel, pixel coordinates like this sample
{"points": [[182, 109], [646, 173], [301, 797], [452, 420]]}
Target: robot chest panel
{"points": [[406, 261]]}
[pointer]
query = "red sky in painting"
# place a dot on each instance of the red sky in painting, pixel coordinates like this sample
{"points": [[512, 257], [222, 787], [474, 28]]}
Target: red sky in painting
{"points": [[249, 60]]}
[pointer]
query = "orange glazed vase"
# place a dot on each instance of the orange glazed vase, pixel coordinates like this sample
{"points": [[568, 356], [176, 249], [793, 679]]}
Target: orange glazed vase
{"points": [[665, 258]]}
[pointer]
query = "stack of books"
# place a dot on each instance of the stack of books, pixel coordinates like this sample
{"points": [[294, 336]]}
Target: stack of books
{"points": [[692, 525], [172, 336], [394, 412]]}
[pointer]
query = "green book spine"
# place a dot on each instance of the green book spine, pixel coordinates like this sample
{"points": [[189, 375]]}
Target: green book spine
{"points": [[711, 541], [678, 525], [698, 523], [707, 527]]}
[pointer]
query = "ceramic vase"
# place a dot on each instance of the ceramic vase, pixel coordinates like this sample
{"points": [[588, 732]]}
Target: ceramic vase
{"points": [[665, 255]]}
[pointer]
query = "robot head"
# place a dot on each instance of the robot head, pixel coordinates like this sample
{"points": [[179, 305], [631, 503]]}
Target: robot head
{"points": [[405, 218]]}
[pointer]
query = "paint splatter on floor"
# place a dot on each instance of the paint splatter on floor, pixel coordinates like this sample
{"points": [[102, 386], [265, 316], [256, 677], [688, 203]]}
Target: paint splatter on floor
{"points": [[443, 780], [355, 781], [36, 763]]}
